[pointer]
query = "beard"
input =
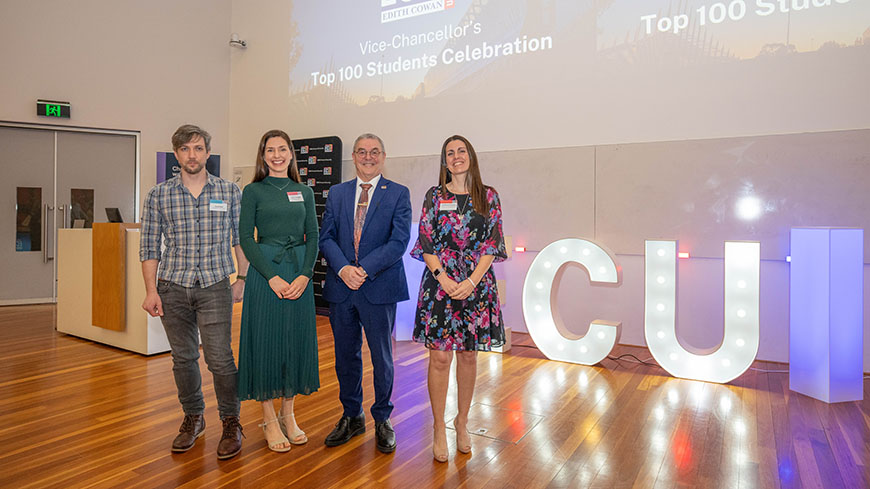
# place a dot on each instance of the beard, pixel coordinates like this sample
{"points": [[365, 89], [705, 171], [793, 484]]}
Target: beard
{"points": [[193, 170]]}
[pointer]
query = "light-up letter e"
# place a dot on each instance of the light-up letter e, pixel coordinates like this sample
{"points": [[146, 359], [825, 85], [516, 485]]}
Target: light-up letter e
{"points": [[547, 331], [740, 342]]}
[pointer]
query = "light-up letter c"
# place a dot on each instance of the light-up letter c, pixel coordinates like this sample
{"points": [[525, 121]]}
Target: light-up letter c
{"points": [[550, 336]]}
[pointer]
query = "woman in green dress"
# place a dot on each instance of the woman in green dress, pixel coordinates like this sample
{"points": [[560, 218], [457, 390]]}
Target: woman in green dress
{"points": [[278, 344]]}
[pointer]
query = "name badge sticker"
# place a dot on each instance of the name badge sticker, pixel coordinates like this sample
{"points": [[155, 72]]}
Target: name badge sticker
{"points": [[447, 205], [295, 197], [217, 205]]}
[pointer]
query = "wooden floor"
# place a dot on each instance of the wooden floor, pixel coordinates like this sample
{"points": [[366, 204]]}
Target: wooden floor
{"points": [[77, 414]]}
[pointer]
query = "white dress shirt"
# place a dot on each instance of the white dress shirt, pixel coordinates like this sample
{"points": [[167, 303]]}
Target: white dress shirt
{"points": [[374, 182]]}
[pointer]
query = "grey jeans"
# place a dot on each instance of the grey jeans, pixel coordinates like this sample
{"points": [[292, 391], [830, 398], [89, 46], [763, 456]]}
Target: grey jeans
{"points": [[210, 311]]}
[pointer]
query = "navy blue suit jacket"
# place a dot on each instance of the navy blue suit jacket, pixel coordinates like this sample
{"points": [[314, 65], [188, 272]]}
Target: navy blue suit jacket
{"points": [[384, 240]]}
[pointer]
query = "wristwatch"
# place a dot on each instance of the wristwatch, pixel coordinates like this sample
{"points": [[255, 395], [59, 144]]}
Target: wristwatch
{"points": [[437, 272]]}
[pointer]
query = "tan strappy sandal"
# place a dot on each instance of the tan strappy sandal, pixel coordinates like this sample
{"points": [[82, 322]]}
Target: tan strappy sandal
{"points": [[275, 446], [297, 437]]}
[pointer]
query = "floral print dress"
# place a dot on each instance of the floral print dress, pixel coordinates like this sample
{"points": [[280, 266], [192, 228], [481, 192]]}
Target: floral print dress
{"points": [[451, 229]]}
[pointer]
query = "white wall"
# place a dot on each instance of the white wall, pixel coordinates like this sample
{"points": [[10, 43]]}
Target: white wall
{"points": [[259, 78], [145, 66]]}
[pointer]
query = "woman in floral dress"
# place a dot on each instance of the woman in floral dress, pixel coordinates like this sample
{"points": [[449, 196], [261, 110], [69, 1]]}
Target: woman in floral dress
{"points": [[458, 308]]}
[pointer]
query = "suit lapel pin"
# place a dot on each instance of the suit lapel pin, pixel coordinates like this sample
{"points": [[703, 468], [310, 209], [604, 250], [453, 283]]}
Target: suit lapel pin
{"points": [[384, 187]]}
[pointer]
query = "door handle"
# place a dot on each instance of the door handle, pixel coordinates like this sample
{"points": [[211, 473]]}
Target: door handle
{"points": [[45, 233], [62, 209]]}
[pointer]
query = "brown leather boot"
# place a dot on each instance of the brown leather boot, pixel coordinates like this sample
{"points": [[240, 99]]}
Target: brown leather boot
{"points": [[231, 439], [192, 428]]}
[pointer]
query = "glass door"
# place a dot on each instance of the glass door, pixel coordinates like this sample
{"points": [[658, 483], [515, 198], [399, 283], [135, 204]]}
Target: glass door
{"points": [[55, 179], [27, 215], [95, 172]]}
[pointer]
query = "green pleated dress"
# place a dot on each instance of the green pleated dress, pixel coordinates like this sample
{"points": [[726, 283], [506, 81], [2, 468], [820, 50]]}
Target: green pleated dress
{"points": [[278, 344]]}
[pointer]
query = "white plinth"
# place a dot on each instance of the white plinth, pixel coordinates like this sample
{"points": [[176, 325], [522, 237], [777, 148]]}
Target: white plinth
{"points": [[826, 335]]}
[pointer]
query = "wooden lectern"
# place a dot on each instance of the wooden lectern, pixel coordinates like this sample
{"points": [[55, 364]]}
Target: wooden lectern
{"points": [[109, 275]]}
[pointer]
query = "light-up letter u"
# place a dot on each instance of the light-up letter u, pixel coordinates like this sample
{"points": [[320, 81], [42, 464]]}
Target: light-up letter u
{"points": [[550, 336], [740, 342]]}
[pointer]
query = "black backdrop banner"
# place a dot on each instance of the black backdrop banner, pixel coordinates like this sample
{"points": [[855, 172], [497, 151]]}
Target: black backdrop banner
{"points": [[319, 162]]}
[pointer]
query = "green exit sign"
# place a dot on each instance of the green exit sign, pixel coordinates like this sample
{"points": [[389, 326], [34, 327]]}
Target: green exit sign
{"points": [[52, 108]]}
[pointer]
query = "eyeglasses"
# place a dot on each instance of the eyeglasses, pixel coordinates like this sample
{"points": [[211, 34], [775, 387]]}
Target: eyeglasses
{"points": [[373, 153]]}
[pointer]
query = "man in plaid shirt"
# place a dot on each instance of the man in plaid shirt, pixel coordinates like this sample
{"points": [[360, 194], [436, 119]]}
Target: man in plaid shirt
{"points": [[196, 216]]}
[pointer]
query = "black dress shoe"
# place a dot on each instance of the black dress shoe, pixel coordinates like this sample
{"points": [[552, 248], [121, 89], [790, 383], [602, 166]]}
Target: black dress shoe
{"points": [[346, 428], [192, 428], [386, 437]]}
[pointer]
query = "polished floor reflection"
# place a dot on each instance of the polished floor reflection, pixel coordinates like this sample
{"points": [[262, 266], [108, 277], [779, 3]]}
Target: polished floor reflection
{"points": [[77, 414]]}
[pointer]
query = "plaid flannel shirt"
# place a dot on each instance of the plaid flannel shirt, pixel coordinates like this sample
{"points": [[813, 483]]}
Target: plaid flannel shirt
{"points": [[198, 234]]}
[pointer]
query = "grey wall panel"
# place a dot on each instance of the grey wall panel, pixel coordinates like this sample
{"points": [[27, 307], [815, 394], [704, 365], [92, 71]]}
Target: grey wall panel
{"points": [[690, 190], [546, 194], [418, 173]]}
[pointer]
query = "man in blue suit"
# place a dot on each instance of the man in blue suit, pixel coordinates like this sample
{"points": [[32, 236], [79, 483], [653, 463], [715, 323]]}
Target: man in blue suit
{"points": [[365, 232]]}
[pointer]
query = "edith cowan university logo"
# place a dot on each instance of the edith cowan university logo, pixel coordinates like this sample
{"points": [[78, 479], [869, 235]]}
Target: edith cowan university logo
{"points": [[403, 9]]}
